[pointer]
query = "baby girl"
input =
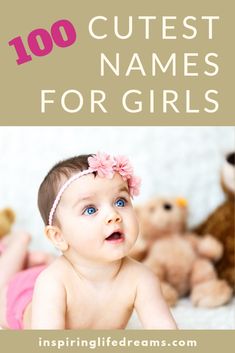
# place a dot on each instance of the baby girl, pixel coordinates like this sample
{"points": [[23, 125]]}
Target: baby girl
{"points": [[86, 205]]}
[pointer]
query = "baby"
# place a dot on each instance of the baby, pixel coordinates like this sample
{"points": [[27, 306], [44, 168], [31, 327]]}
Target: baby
{"points": [[86, 205]]}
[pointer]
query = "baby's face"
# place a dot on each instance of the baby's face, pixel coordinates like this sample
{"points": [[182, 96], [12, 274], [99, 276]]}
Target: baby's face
{"points": [[97, 218]]}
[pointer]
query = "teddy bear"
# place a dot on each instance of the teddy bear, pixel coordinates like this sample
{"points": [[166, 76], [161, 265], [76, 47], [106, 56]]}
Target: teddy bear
{"points": [[183, 261], [157, 218], [220, 223], [7, 219]]}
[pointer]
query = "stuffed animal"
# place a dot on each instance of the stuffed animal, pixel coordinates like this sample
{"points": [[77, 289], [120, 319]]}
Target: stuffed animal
{"points": [[158, 217], [7, 218], [221, 222], [183, 261]]}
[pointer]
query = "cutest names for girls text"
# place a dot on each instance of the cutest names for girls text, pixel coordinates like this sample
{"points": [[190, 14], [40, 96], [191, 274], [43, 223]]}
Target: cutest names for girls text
{"points": [[41, 42]]}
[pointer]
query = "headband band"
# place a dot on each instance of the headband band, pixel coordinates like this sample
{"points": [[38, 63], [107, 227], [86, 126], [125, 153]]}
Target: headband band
{"points": [[105, 166]]}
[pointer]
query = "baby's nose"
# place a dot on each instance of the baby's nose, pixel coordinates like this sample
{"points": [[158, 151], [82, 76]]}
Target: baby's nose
{"points": [[113, 217]]}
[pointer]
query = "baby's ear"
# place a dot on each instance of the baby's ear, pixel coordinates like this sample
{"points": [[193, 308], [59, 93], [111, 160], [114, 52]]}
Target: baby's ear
{"points": [[55, 235]]}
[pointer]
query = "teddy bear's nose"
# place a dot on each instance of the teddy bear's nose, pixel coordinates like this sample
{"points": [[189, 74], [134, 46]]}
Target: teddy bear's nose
{"points": [[167, 206], [231, 158]]}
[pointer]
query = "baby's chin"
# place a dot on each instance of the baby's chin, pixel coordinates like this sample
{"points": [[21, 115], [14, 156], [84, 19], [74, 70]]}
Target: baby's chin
{"points": [[118, 254]]}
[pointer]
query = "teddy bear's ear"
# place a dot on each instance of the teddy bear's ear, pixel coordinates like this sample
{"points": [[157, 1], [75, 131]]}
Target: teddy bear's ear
{"points": [[10, 214]]}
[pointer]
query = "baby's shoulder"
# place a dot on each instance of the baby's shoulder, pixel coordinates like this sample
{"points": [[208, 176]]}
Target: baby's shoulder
{"points": [[141, 276], [53, 273], [49, 285], [136, 268]]}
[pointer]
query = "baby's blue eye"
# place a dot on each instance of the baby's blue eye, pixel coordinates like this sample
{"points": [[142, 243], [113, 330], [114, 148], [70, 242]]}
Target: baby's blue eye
{"points": [[120, 203], [90, 210]]}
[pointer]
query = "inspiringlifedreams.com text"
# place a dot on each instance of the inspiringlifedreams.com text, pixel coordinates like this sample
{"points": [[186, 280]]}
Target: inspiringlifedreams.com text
{"points": [[104, 342]]}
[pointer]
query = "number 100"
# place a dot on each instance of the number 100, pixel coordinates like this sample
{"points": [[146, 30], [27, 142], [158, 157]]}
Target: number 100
{"points": [[46, 39]]}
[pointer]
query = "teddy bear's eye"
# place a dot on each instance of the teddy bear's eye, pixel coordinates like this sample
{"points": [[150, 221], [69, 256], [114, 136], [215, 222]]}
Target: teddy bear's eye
{"points": [[231, 158], [167, 206]]}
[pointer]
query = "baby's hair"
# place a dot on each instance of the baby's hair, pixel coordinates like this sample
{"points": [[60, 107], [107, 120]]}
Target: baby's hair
{"points": [[53, 180]]}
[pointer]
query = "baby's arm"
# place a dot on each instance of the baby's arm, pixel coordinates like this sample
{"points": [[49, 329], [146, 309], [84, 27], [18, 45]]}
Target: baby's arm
{"points": [[49, 303], [150, 305]]}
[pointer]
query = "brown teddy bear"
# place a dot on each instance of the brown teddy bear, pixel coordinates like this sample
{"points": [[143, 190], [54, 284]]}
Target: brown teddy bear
{"points": [[7, 218], [221, 222], [183, 261]]}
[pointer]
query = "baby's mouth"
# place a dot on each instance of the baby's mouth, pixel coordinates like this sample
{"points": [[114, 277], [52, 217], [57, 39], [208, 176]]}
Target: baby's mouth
{"points": [[115, 237]]}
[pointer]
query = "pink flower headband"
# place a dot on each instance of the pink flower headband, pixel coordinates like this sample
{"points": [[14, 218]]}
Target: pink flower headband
{"points": [[105, 166]]}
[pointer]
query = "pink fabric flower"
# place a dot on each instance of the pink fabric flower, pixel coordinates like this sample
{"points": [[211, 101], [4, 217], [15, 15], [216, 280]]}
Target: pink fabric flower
{"points": [[103, 164], [134, 185], [123, 167]]}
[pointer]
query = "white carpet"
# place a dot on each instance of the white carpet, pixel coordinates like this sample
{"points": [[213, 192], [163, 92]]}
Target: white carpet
{"points": [[191, 318]]}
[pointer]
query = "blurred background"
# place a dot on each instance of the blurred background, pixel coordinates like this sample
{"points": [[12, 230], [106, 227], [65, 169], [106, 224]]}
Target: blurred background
{"points": [[172, 161]]}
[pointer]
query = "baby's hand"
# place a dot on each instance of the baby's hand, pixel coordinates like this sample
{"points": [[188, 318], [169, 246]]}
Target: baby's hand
{"points": [[150, 305]]}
